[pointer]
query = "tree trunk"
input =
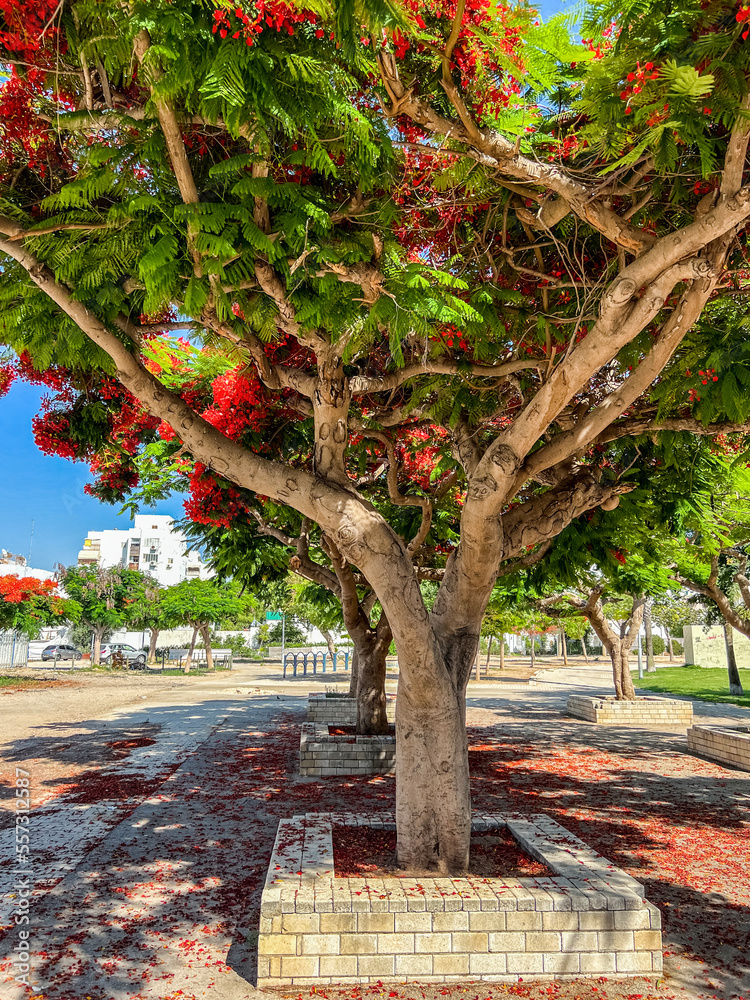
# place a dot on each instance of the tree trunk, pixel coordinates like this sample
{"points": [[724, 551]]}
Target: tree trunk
{"points": [[206, 636], [502, 651], [433, 804], [583, 647], [329, 642], [619, 654], [152, 644], [650, 664], [564, 643], [626, 679], [372, 719], [189, 657], [98, 635], [670, 647], [487, 662], [532, 651], [618, 647], [735, 684], [354, 668]]}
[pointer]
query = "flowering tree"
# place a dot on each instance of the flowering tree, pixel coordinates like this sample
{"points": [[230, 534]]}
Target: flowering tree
{"points": [[450, 259], [107, 597], [28, 605]]}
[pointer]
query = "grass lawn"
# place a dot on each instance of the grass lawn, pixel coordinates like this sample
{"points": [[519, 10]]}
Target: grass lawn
{"points": [[706, 683]]}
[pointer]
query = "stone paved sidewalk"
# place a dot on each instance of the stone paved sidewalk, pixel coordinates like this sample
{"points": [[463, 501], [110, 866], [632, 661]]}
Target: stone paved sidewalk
{"points": [[165, 903]]}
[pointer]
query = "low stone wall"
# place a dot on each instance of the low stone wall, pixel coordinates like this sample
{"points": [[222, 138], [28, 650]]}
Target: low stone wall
{"points": [[321, 754], [728, 745], [341, 711], [648, 711], [591, 919]]}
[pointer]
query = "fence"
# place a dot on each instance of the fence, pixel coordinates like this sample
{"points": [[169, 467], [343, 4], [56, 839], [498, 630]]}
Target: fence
{"points": [[221, 657], [302, 659], [14, 649]]}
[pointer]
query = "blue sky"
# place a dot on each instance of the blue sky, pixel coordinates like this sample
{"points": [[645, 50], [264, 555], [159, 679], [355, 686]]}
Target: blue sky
{"points": [[48, 490]]}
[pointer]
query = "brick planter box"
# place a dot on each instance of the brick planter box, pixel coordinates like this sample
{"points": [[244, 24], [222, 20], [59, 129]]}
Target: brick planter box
{"points": [[341, 711], [591, 919], [321, 754], [726, 744], [648, 711]]}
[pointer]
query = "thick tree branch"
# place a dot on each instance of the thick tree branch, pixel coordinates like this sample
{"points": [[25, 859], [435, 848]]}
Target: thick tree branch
{"points": [[578, 439], [633, 426], [525, 562], [711, 590], [543, 518], [66, 227], [324, 502], [398, 498], [493, 149], [496, 477], [363, 384], [175, 145], [356, 620]]}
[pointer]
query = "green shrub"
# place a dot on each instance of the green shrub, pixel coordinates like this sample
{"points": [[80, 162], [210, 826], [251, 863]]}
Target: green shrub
{"points": [[659, 645]]}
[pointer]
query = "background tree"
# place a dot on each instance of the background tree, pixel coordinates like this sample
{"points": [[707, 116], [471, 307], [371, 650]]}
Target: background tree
{"points": [[453, 333], [318, 609], [107, 598], [28, 605], [148, 612], [576, 627], [200, 604], [500, 618], [672, 612], [712, 561]]}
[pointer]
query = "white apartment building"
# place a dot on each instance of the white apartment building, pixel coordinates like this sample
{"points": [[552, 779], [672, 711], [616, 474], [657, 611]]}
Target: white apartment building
{"points": [[152, 545]]}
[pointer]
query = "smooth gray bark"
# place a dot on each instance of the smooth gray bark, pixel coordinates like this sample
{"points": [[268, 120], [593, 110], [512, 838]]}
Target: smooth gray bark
{"points": [[735, 684]]}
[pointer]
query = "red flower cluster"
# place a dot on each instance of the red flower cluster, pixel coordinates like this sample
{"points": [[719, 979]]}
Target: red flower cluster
{"points": [[470, 59], [708, 375], [15, 589], [210, 503], [52, 435], [274, 14], [29, 28], [239, 404], [7, 377], [114, 477], [418, 451], [637, 81]]}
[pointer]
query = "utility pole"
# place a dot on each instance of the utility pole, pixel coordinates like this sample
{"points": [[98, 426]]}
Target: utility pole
{"points": [[31, 542], [640, 655]]}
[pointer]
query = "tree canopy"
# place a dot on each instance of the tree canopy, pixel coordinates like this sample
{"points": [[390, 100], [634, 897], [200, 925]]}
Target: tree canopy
{"points": [[27, 605]]}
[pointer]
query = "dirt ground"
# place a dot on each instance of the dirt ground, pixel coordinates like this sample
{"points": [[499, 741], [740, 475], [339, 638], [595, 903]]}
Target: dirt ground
{"points": [[61, 727], [151, 890]]}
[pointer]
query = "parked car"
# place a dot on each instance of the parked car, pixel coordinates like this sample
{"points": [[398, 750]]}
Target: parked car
{"points": [[135, 658], [61, 651]]}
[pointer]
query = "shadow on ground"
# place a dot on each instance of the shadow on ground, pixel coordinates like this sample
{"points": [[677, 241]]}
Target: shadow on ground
{"points": [[169, 899]]}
